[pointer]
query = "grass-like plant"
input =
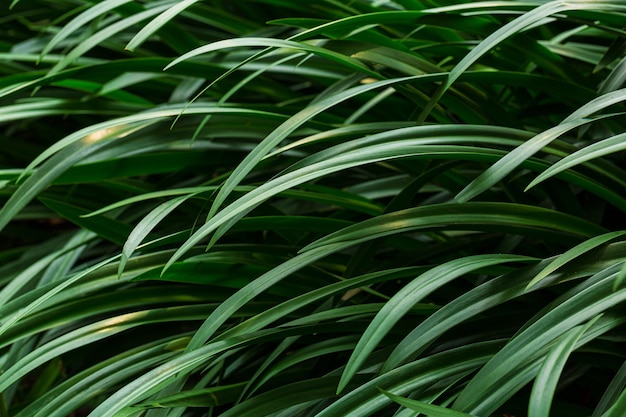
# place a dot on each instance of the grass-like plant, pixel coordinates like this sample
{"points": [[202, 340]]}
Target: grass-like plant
{"points": [[321, 208]]}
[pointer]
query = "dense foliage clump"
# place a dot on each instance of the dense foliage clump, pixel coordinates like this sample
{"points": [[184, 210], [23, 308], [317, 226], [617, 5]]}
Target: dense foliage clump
{"points": [[322, 208]]}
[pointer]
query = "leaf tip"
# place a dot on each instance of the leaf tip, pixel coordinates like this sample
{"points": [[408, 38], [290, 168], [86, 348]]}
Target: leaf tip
{"points": [[341, 386], [170, 65], [169, 264], [532, 184]]}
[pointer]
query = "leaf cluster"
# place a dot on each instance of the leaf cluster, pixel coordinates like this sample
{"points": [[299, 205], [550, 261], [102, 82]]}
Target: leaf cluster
{"points": [[322, 208]]}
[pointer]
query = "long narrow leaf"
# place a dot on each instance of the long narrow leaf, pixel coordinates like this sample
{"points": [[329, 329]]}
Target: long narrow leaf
{"points": [[548, 377], [408, 296]]}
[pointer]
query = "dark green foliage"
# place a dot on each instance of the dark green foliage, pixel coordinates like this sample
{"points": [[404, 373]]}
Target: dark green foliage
{"points": [[322, 208]]}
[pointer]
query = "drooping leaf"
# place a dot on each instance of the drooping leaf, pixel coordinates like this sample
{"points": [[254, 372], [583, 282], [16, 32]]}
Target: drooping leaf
{"points": [[425, 408]]}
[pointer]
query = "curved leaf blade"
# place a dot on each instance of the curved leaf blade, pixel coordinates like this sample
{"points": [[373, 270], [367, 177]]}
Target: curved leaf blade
{"points": [[403, 300]]}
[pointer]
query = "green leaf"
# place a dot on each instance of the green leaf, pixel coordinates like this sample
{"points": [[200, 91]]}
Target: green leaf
{"points": [[429, 410], [514, 159], [207, 397], [615, 79], [604, 147], [596, 105], [618, 407], [407, 297], [11, 319], [468, 216], [489, 43], [158, 22], [251, 290], [58, 164], [181, 365], [274, 43], [146, 225], [101, 36], [612, 392], [109, 229], [278, 135], [121, 127], [81, 20], [281, 310], [311, 168], [491, 294], [619, 279], [572, 254], [352, 154], [418, 376], [546, 381], [78, 389], [575, 308]]}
